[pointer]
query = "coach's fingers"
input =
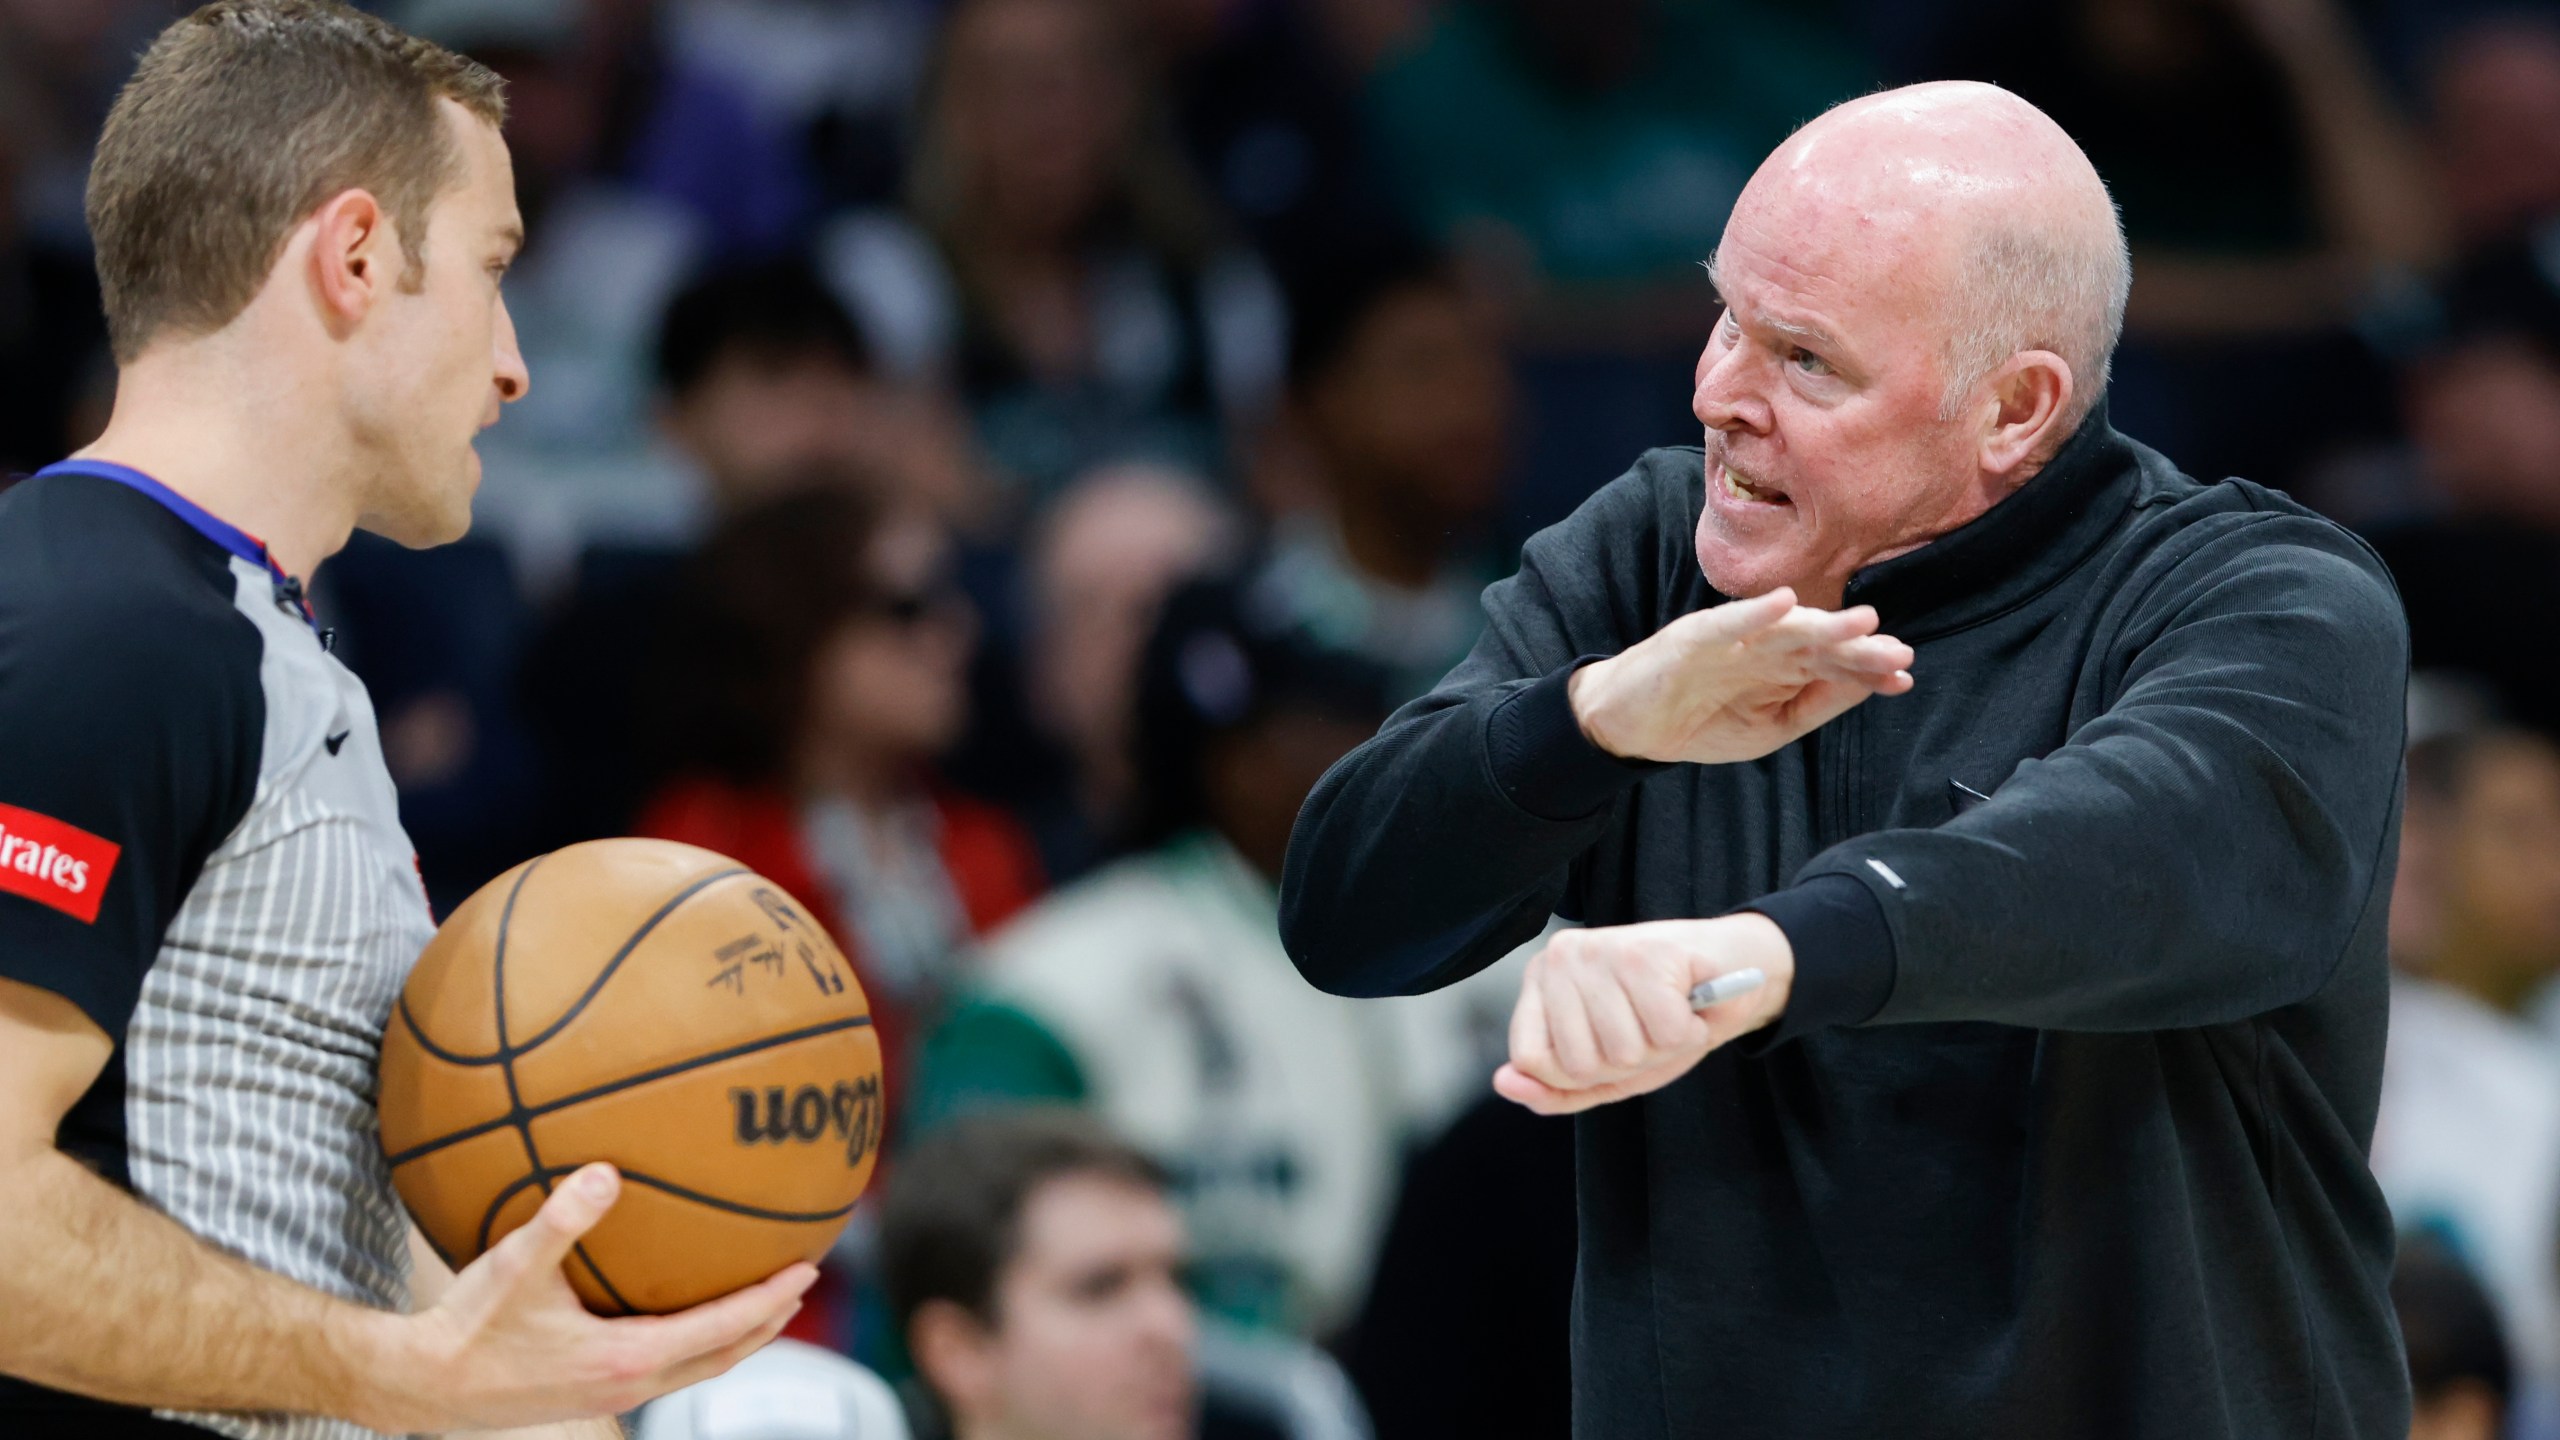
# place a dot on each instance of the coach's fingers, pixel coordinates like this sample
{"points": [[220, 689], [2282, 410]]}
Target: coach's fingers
{"points": [[1822, 702], [541, 1244], [1575, 1049], [1616, 1030], [1529, 1047], [1870, 655], [1669, 1023], [1546, 1099], [1741, 619]]}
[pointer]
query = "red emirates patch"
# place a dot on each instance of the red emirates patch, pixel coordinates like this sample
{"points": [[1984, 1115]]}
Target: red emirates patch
{"points": [[55, 864]]}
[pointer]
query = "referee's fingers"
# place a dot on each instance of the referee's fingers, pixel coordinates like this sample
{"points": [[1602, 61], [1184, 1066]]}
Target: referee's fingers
{"points": [[722, 1324], [540, 1245]]}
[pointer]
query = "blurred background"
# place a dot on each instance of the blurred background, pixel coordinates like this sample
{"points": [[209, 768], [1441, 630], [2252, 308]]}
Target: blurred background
{"points": [[986, 458]]}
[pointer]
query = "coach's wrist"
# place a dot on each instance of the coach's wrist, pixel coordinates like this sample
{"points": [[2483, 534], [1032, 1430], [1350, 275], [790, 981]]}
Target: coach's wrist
{"points": [[1586, 691]]}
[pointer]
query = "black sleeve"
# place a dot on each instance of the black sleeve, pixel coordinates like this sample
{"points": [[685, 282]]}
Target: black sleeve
{"points": [[1494, 756], [130, 727], [2204, 850]]}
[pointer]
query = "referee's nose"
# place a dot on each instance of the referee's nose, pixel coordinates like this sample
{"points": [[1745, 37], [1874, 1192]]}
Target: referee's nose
{"points": [[513, 378]]}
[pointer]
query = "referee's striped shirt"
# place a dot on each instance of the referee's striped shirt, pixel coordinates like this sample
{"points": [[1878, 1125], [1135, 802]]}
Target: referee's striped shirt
{"points": [[200, 847]]}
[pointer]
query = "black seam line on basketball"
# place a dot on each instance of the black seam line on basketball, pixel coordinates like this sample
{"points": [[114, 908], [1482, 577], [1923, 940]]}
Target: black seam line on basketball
{"points": [[536, 1112], [506, 1058], [489, 1217], [438, 1051], [597, 986], [598, 1271], [752, 1212], [517, 1186]]}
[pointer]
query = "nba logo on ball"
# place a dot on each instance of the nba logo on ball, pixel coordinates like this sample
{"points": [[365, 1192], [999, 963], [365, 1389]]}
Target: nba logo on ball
{"points": [[652, 1005]]}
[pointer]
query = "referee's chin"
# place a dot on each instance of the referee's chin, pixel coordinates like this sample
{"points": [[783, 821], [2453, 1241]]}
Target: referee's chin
{"points": [[427, 511]]}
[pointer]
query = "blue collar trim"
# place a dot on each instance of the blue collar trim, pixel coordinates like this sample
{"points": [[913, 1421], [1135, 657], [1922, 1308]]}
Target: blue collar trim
{"points": [[204, 522]]}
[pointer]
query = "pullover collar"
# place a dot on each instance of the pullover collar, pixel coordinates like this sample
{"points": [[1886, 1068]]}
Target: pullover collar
{"points": [[2013, 551]]}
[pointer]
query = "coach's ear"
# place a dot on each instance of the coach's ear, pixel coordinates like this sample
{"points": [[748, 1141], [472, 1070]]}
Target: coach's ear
{"points": [[355, 258]]}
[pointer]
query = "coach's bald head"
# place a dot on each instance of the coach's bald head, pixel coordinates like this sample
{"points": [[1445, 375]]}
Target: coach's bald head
{"points": [[1924, 287]]}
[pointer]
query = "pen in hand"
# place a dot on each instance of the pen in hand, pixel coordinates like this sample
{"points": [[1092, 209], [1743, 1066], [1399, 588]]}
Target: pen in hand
{"points": [[1725, 987]]}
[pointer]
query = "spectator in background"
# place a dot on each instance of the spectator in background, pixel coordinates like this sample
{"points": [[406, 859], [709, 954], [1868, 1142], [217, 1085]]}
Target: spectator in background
{"points": [[810, 673], [2494, 92], [1446, 1343], [1397, 387], [2467, 1143], [2476, 528], [1579, 147], [1264, 94], [764, 387], [1032, 1264], [763, 380], [1579, 155], [2264, 171], [2274, 194], [631, 170], [1156, 990], [65, 59], [1060, 265], [842, 75], [53, 364], [2457, 1356], [1102, 559], [789, 1390]]}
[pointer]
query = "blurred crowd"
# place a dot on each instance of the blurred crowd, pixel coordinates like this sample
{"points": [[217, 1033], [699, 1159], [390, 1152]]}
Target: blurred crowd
{"points": [[987, 458]]}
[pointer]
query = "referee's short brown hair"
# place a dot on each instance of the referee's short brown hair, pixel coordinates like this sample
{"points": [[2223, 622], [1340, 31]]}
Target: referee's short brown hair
{"points": [[242, 119]]}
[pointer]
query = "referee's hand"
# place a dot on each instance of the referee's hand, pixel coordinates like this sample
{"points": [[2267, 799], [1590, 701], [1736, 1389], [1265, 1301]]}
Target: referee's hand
{"points": [[509, 1344], [1604, 1014], [1737, 681]]}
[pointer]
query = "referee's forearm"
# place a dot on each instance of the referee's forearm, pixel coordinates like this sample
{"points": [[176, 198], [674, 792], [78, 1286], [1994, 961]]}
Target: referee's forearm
{"points": [[101, 1295]]}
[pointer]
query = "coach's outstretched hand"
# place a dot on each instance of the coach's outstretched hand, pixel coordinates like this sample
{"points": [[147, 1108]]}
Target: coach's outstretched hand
{"points": [[510, 1345], [1737, 681], [1604, 1014]]}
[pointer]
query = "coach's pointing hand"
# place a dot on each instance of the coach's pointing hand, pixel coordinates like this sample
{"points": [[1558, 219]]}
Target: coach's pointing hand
{"points": [[1604, 1014], [510, 1345], [1737, 681]]}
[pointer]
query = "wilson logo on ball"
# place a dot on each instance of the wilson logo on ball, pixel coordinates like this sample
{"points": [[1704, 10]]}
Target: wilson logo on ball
{"points": [[778, 1115]]}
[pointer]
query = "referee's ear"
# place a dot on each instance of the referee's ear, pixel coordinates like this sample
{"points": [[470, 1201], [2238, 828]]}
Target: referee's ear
{"points": [[353, 257]]}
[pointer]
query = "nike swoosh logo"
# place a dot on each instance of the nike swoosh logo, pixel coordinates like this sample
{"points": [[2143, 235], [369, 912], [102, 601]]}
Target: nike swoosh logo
{"points": [[337, 740]]}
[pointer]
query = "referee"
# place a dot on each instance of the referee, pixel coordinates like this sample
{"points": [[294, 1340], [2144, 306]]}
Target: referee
{"points": [[207, 907], [2050, 1117]]}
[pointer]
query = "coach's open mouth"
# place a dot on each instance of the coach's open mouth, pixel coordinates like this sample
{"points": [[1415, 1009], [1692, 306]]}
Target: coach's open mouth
{"points": [[1737, 488]]}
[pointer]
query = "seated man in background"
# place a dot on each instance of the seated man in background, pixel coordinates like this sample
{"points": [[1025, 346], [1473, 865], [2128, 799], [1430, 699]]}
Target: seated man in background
{"points": [[1156, 990], [1032, 1267], [2457, 1356], [765, 387], [2467, 1141], [1397, 385]]}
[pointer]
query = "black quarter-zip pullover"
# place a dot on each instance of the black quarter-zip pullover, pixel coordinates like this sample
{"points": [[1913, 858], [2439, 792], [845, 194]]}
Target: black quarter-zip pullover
{"points": [[2063, 1132]]}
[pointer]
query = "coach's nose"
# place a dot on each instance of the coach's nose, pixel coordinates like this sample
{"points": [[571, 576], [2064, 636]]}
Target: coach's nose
{"points": [[1725, 397]]}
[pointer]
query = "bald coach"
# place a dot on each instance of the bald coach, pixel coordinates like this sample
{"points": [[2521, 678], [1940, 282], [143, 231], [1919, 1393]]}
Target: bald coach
{"points": [[2051, 1117]]}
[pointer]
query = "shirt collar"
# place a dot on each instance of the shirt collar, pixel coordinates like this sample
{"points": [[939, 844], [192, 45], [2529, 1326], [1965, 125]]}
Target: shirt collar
{"points": [[2017, 548], [204, 522]]}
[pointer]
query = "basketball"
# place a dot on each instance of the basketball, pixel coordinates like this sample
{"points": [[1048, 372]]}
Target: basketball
{"points": [[652, 1005]]}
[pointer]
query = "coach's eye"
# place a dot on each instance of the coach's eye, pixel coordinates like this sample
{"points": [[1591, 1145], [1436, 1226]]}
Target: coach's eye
{"points": [[1808, 362]]}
